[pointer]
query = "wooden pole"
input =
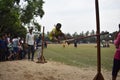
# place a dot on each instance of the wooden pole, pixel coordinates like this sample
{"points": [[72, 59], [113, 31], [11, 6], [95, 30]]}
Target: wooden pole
{"points": [[42, 58], [78, 38], [99, 74]]}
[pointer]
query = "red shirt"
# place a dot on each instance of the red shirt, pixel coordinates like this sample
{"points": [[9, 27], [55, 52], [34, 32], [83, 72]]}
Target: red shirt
{"points": [[117, 44]]}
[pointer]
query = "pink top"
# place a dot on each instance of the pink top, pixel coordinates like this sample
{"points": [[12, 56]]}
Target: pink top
{"points": [[117, 45]]}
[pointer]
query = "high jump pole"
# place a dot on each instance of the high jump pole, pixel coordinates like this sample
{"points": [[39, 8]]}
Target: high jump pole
{"points": [[79, 37], [99, 75], [42, 58]]}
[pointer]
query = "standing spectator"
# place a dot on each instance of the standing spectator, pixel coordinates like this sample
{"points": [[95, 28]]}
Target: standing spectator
{"points": [[3, 48], [15, 47], [25, 49], [39, 47], [21, 52], [6, 39], [30, 41], [75, 43], [22, 48], [10, 49], [116, 62], [45, 44]]}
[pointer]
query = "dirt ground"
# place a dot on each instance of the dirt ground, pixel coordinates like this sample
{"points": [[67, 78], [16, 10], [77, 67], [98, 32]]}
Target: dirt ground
{"points": [[28, 70]]}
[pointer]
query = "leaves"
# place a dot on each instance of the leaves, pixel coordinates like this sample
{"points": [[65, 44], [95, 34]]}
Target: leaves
{"points": [[13, 16], [34, 8]]}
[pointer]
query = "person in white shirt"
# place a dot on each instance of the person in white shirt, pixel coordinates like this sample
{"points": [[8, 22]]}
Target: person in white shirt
{"points": [[30, 41]]}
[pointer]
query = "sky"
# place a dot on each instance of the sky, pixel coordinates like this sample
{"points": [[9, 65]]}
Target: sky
{"points": [[79, 15]]}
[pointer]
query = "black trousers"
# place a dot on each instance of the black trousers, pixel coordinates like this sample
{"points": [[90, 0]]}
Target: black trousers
{"points": [[31, 50]]}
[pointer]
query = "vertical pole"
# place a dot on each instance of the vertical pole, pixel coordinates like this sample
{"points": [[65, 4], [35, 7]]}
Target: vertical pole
{"points": [[42, 58], [99, 75], [42, 42], [98, 37]]}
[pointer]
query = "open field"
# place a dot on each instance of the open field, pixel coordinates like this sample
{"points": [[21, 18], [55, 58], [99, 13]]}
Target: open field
{"points": [[67, 63], [85, 55]]}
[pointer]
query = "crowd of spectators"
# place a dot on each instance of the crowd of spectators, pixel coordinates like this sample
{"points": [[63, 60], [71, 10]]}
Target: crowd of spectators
{"points": [[12, 48]]}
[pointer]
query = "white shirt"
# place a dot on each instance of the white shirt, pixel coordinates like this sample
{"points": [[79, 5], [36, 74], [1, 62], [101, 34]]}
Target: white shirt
{"points": [[15, 42], [30, 39]]}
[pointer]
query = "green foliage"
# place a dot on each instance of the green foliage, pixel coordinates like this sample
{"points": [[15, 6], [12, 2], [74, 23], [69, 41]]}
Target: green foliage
{"points": [[12, 15], [9, 16], [37, 26], [34, 8]]}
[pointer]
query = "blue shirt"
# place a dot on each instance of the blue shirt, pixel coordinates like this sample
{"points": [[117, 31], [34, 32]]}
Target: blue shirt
{"points": [[3, 44]]}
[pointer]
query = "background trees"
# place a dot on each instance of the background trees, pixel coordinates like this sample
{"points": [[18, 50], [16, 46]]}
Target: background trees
{"points": [[14, 16], [107, 37]]}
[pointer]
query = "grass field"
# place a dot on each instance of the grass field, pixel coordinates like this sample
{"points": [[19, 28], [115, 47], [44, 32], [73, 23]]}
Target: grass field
{"points": [[85, 55]]}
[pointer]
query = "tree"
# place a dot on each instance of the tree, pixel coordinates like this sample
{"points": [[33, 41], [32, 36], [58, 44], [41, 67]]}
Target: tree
{"points": [[93, 39], [68, 35], [37, 26], [75, 34], [87, 39], [13, 17], [31, 10], [9, 16], [104, 37]]}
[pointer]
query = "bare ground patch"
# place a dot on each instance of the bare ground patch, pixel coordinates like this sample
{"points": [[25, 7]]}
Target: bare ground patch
{"points": [[28, 70]]}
